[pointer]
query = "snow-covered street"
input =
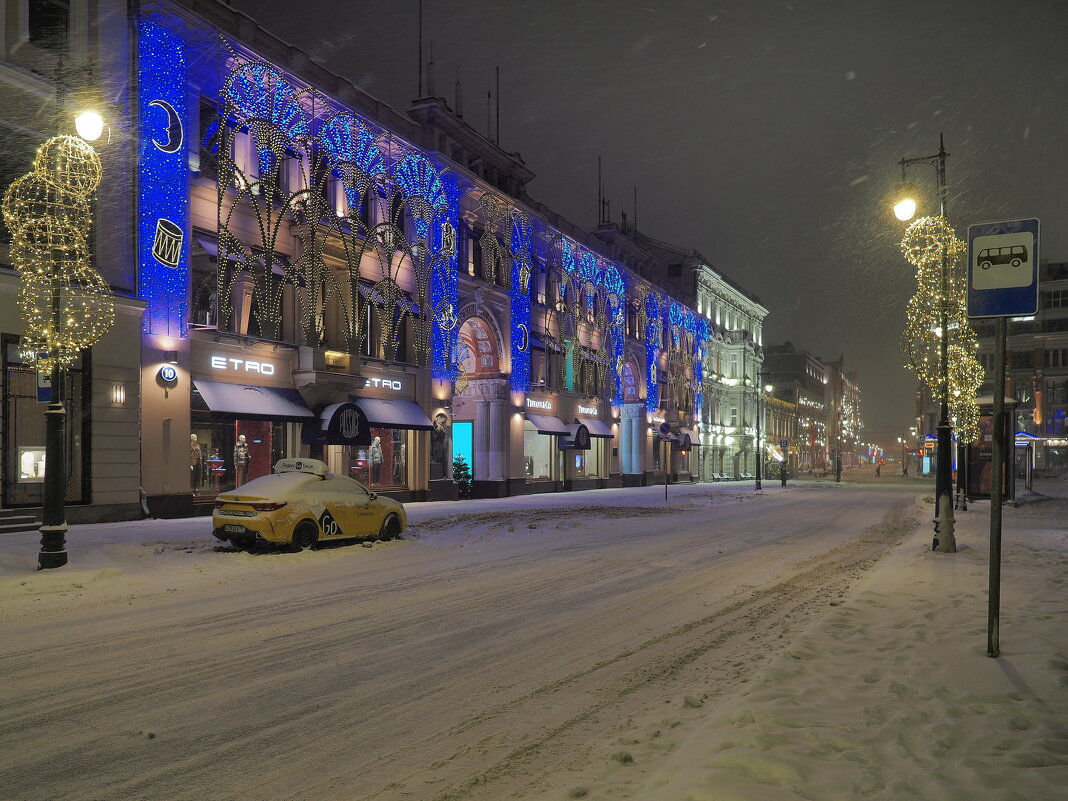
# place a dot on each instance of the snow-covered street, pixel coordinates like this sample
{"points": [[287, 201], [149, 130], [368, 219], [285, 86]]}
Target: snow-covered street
{"points": [[724, 645]]}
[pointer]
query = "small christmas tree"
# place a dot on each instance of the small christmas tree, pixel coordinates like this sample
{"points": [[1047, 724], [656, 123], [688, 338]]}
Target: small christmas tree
{"points": [[461, 474]]}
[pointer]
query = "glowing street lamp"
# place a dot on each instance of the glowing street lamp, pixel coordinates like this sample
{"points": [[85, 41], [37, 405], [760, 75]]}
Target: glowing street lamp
{"points": [[89, 125], [944, 540], [905, 209]]}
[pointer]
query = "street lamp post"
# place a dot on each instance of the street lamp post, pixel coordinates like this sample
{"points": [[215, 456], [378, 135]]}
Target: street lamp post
{"points": [[944, 540], [761, 405], [65, 304]]}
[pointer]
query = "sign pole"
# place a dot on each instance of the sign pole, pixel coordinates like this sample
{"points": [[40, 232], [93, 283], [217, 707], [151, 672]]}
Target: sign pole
{"points": [[1000, 431], [1003, 282]]}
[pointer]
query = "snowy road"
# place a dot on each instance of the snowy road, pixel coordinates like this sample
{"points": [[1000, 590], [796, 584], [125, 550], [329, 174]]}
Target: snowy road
{"points": [[471, 661]]}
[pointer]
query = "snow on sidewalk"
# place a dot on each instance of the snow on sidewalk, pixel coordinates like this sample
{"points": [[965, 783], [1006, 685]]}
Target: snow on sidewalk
{"points": [[891, 696]]}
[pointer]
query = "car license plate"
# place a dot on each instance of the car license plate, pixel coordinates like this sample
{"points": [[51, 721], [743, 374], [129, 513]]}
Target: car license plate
{"points": [[230, 528]]}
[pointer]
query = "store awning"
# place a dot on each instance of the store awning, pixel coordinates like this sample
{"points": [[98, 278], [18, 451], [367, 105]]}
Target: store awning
{"points": [[338, 424], [690, 438], [547, 424], [243, 400], [598, 428], [576, 439], [389, 413]]}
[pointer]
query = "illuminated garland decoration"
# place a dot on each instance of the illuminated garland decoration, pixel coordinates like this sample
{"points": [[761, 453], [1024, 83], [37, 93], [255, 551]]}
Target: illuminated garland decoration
{"points": [[653, 337], [323, 173], [493, 213], [445, 287], [616, 298], [923, 245], [522, 270], [65, 304], [163, 180], [702, 334], [434, 242], [260, 103]]}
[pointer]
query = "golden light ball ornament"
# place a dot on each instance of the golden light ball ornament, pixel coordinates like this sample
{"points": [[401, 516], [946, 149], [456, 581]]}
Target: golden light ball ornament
{"points": [[70, 164]]}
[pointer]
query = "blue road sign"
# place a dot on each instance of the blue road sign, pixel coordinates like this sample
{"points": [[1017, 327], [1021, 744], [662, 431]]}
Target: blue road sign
{"points": [[1003, 268], [44, 387], [783, 444]]}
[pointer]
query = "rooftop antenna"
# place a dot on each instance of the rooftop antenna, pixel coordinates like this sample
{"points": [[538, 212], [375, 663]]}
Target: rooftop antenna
{"points": [[635, 211], [420, 94], [459, 96], [497, 127], [600, 192], [430, 72], [489, 113]]}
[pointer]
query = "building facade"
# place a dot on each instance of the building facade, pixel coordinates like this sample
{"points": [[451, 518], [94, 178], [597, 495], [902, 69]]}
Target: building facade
{"points": [[304, 271], [1036, 373]]}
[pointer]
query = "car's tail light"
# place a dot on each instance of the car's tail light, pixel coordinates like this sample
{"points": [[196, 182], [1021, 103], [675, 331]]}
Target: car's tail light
{"points": [[266, 507]]}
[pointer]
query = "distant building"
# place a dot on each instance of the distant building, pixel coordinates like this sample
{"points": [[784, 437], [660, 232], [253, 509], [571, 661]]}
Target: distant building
{"points": [[1036, 370], [826, 400]]}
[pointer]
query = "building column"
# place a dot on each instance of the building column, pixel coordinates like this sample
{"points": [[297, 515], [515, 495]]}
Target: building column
{"points": [[496, 440], [482, 443]]}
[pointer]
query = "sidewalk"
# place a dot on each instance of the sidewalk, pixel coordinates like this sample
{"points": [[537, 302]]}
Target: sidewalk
{"points": [[891, 696]]}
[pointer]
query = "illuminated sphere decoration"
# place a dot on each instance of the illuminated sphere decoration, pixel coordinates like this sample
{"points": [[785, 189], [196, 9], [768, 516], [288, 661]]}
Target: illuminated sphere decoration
{"points": [[66, 305], [70, 164], [925, 243]]}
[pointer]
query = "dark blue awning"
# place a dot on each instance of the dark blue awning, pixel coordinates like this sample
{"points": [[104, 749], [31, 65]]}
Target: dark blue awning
{"points": [[244, 400]]}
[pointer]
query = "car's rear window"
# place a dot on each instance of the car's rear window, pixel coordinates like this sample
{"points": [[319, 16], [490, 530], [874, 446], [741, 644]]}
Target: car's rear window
{"points": [[279, 482]]}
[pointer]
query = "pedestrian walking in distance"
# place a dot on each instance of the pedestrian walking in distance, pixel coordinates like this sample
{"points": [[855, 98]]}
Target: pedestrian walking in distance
{"points": [[905, 470], [878, 468]]}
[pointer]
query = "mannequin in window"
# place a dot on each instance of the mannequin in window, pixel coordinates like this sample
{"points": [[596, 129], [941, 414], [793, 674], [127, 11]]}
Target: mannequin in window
{"points": [[376, 461], [196, 464], [241, 457], [398, 464]]}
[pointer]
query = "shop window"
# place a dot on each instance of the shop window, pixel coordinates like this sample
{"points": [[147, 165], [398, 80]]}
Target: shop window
{"points": [[589, 464], [537, 453], [25, 431], [384, 463], [225, 454], [683, 464]]}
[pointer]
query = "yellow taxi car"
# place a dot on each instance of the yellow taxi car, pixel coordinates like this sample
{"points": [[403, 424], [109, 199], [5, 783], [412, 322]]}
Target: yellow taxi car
{"points": [[303, 503]]}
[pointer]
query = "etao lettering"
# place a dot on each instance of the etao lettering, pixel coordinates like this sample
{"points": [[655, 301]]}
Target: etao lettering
{"points": [[242, 365]]}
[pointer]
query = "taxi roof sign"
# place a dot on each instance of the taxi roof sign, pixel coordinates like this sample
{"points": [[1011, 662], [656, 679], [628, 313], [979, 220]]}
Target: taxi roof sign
{"points": [[311, 466]]}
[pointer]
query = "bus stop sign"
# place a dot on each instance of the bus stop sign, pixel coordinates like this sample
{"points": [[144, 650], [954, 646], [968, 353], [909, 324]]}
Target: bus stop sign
{"points": [[1003, 269]]}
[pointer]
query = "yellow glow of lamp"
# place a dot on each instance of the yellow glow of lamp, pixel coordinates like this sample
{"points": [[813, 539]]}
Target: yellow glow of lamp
{"points": [[89, 125], [905, 209]]}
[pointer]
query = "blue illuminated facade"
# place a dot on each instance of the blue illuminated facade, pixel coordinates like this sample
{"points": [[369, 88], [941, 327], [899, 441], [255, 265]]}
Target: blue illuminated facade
{"points": [[163, 186], [522, 272], [341, 246]]}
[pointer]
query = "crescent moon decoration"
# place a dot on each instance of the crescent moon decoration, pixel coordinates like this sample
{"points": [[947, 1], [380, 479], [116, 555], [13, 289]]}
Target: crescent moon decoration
{"points": [[524, 336], [175, 132]]}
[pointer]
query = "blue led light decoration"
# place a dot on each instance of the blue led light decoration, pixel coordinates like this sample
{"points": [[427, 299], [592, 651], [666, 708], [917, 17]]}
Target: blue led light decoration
{"points": [[653, 334], [262, 115], [702, 333], [162, 175], [432, 210], [522, 272], [616, 300], [445, 285]]}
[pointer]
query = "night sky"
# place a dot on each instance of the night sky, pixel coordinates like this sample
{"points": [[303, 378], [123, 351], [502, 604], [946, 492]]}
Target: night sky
{"points": [[765, 134]]}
